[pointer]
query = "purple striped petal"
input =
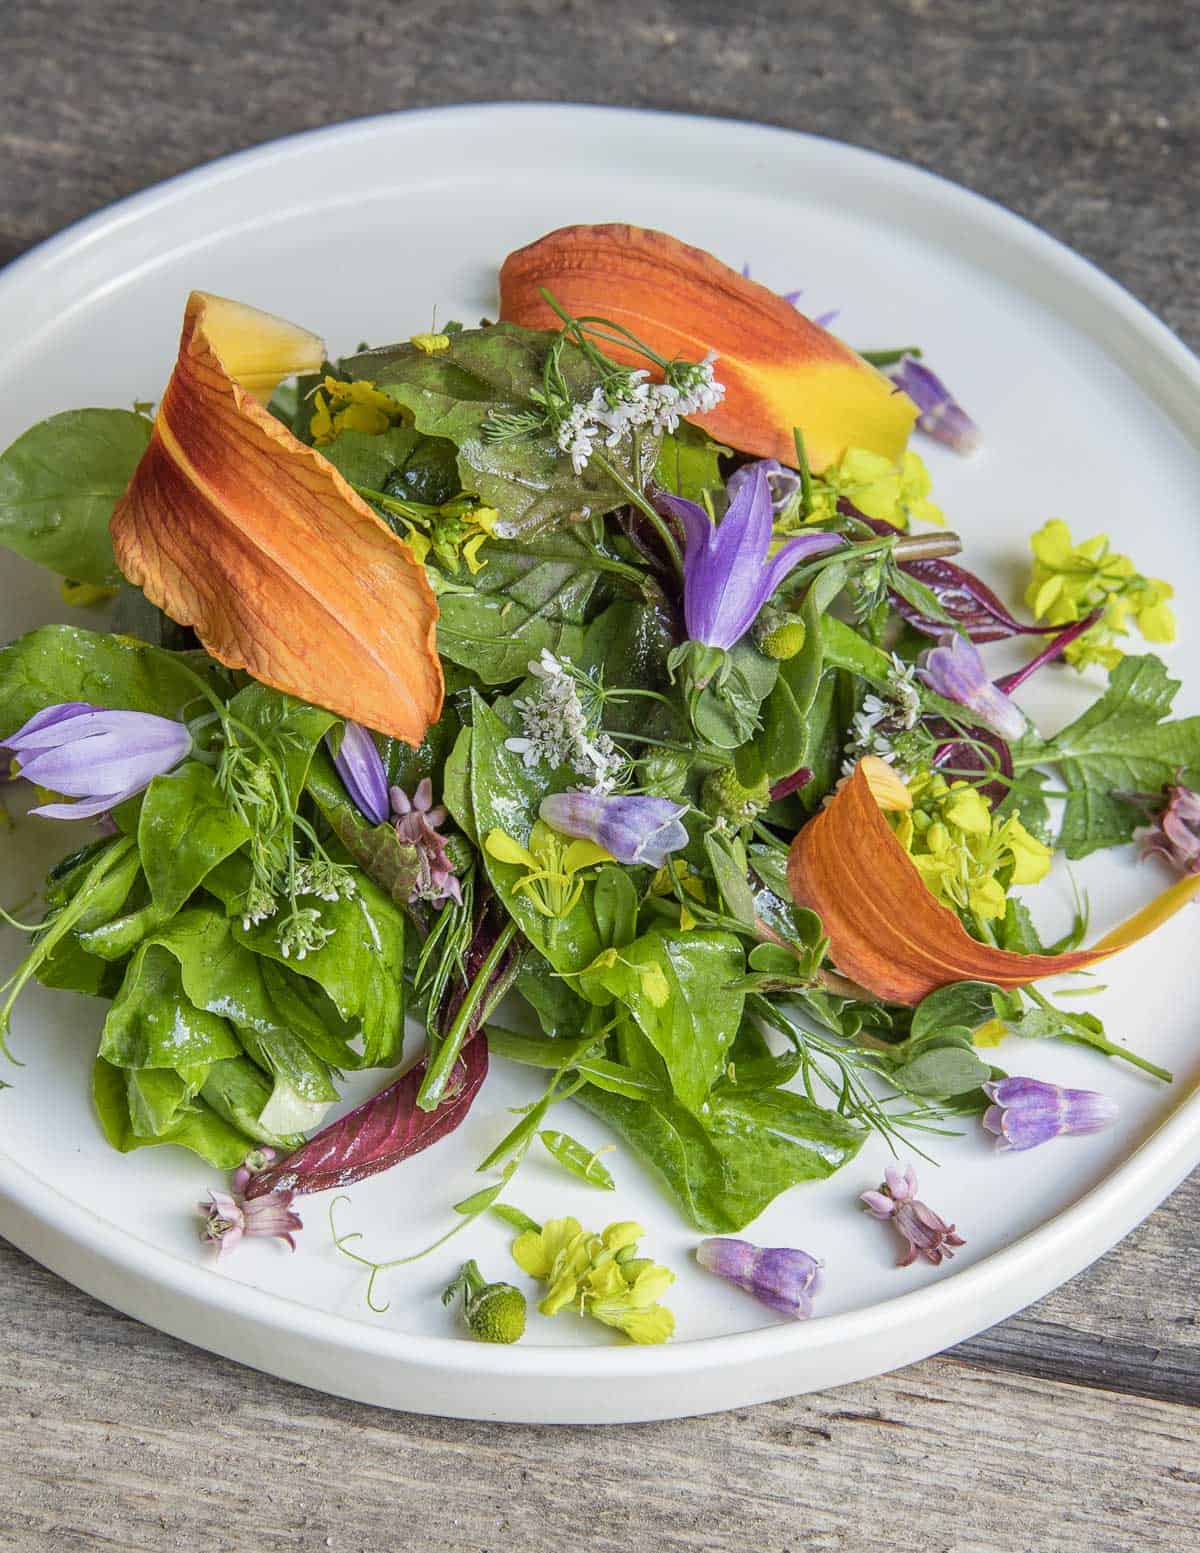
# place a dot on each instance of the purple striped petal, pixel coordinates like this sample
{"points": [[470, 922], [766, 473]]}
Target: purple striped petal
{"points": [[634, 828], [84, 809], [779, 1277], [49, 726], [360, 766], [1027, 1112], [96, 754]]}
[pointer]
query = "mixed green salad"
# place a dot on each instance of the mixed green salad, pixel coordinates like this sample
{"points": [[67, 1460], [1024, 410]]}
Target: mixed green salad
{"points": [[696, 796]]}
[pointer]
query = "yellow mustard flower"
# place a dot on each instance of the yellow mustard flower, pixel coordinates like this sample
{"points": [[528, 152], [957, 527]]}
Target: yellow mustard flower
{"points": [[1068, 581], [600, 1275], [553, 867], [339, 405], [967, 857], [888, 492]]}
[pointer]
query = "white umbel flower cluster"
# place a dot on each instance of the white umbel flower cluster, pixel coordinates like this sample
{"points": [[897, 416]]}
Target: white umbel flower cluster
{"points": [[880, 719], [557, 729], [630, 404]]}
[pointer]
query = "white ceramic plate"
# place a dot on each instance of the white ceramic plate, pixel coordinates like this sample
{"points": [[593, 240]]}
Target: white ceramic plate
{"points": [[1091, 411]]}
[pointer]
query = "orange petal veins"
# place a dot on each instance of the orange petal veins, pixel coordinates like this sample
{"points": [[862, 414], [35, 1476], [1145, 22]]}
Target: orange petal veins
{"points": [[233, 526], [780, 370], [888, 933]]}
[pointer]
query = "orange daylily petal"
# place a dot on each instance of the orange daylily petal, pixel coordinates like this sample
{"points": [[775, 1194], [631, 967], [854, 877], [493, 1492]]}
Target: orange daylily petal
{"points": [[888, 933], [233, 526], [779, 369]]}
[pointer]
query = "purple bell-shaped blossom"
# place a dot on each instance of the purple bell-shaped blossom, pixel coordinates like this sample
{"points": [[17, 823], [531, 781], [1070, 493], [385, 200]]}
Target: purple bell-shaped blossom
{"points": [[1025, 1111], [360, 766], [940, 414], [727, 576], [1174, 834], [783, 1279], [97, 756], [229, 1216], [924, 1232], [417, 820], [634, 828], [955, 669]]}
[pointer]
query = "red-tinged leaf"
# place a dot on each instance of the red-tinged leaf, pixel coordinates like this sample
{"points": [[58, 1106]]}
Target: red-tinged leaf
{"points": [[388, 1128], [971, 605]]}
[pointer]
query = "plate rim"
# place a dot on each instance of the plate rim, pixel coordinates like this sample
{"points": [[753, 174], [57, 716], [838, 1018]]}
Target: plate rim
{"points": [[45, 1223]]}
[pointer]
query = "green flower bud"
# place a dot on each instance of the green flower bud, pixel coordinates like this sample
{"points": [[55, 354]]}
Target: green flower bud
{"points": [[784, 640], [664, 773], [460, 854], [724, 798], [493, 1312]]}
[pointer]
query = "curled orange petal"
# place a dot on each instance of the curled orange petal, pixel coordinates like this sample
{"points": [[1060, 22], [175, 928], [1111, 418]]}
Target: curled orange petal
{"points": [[780, 370], [233, 526], [888, 933]]}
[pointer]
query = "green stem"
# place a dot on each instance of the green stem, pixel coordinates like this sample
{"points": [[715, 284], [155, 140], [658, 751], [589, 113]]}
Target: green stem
{"points": [[635, 496], [889, 358], [806, 485], [433, 1085], [1101, 1043]]}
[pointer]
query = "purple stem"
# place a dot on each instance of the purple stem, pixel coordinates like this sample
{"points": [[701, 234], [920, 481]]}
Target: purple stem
{"points": [[1048, 653]]}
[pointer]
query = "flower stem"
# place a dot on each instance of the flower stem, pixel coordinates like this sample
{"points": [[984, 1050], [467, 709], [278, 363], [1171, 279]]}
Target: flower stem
{"points": [[433, 1086], [635, 496]]}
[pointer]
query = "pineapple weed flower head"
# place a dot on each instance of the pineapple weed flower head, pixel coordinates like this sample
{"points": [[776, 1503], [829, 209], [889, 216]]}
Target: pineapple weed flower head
{"points": [[925, 1233], [94, 755], [1026, 1112], [229, 1217], [779, 1277], [727, 575]]}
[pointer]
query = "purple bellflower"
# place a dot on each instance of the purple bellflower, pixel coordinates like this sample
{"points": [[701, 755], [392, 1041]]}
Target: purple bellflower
{"points": [[634, 828], [1174, 834], [727, 577], [417, 820], [1025, 1112], [941, 416], [955, 670], [925, 1233], [360, 766], [783, 1279], [98, 756]]}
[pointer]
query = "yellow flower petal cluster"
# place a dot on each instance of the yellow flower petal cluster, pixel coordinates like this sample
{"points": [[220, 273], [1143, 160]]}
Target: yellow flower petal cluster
{"points": [[967, 857], [553, 865], [1068, 581], [601, 1275], [343, 406], [883, 490]]}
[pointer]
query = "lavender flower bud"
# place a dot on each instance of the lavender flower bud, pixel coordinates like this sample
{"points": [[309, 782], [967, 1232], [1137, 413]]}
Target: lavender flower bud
{"points": [[941, 416], [635, 829], [782, 482], [955, 669], [360, 766], [1026, 1112], [779, 1277]]}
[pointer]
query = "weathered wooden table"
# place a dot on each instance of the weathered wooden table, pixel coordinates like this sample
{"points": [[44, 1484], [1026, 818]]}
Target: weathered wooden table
{"points": [[1071, 1427]]}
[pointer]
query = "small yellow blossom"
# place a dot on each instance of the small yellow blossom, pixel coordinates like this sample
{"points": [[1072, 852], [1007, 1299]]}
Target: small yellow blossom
{"points": [[431, 343], [966, 856], [553, 865], [339, 405], [600, 1275], [888, 492], [1068, 581]]}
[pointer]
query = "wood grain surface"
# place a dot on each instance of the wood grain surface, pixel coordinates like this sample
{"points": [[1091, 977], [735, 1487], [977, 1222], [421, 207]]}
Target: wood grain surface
{"points": [[1071, 1427]]}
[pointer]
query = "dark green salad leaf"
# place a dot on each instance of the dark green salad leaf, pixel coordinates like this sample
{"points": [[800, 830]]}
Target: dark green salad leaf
{"points": [[59, 483]]}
